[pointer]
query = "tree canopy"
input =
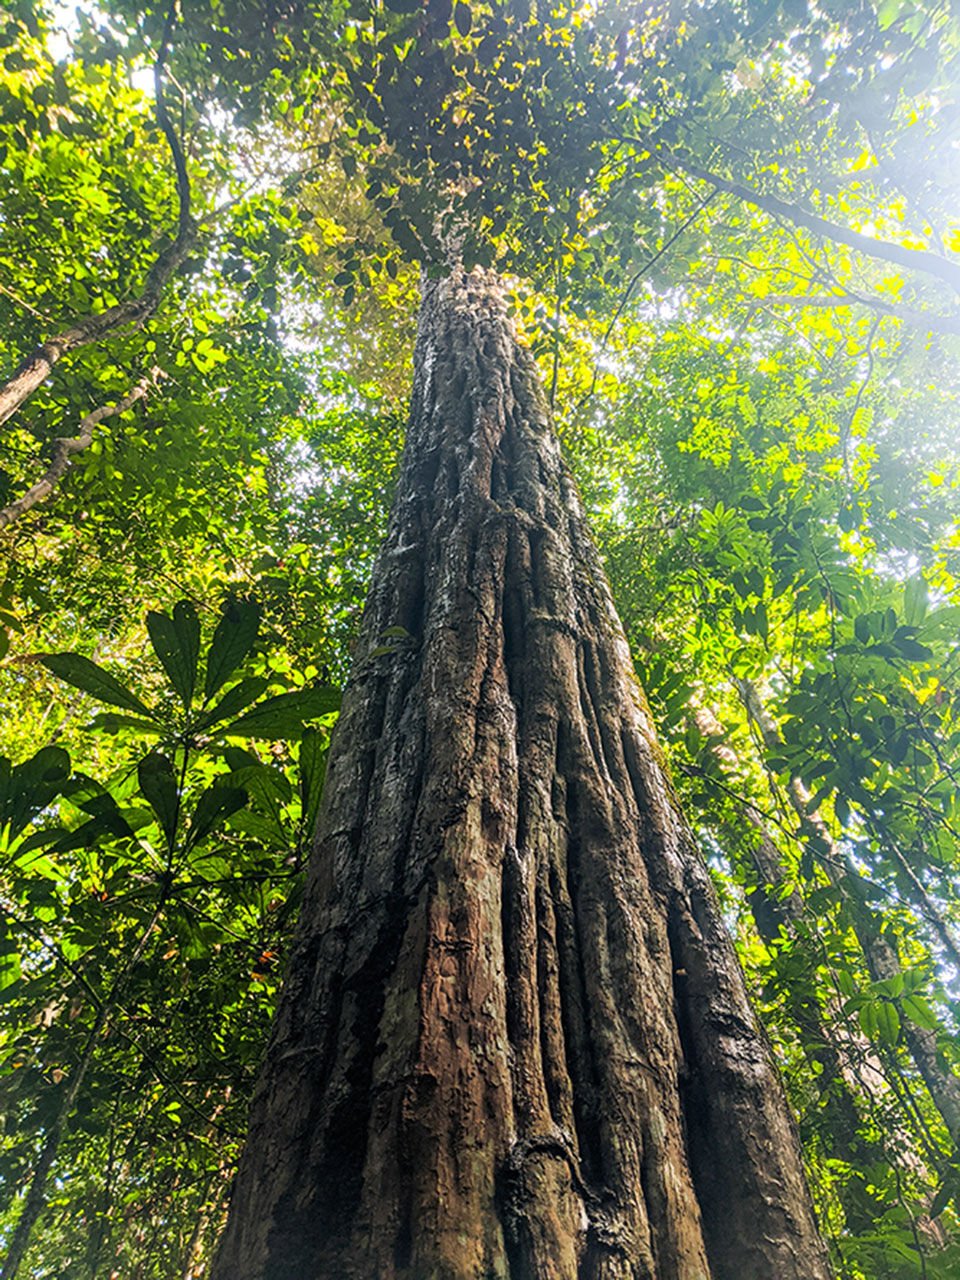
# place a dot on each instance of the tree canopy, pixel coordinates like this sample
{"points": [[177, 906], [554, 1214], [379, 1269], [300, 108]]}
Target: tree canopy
{"points": [[730, 237]]}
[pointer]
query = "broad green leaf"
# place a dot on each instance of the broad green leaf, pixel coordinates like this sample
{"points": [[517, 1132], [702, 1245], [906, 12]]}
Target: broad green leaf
{"points": [[257, 825], [888, 1022], [105, 826], [867, 1016], [917, 1009], [233, 701], [284, 715], [110, 722], [158, 783], [313, 765], [35, 863], [39, 840], [891, 987], [912, 650], [83, 674], [176, 642], [233, 639], [915, 600], [214, 807], [34, 784], [262, 782], [9, 955], [845, 982], [6, 773]]}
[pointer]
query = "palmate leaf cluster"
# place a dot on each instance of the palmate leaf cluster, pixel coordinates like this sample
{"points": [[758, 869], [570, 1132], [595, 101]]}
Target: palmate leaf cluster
{"points": [[129, 905], [762, 417]]}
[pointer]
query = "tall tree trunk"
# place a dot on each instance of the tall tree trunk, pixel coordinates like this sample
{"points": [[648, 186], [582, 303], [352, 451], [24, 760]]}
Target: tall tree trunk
{"points": [[514, 1039]]}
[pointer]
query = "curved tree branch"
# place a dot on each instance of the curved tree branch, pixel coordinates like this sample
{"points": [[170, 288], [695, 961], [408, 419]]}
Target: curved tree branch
{"points": [[945, 269], [36, 367], [66, 447]]}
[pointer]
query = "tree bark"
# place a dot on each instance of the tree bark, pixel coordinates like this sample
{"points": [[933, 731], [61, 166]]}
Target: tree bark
{"points": [[514, 1039]]}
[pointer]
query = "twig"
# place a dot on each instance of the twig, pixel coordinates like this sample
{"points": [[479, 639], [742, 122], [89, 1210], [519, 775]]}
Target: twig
{"points": [[635, 280], [22, 302], [921, 319]]}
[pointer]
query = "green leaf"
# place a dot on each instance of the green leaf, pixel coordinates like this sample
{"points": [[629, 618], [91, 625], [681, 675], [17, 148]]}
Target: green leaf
{"points": [[762, 621], [176, 642], [462, 18], [39, 840], [912, 650], [107, 825], [915, 600], [6, 773], [83, 674], [213, 808], [110, 722], [313, 763], [284, 715], [33, 785], [918, 1010], [845, 982], [891, 987], [158, 783], [262, 782], [9, 955], [888, 1022], [867, 1017], [233, 701], [233, 639]]}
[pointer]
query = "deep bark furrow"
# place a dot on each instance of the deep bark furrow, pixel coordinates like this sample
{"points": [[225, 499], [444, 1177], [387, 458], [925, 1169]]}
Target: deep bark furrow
{"points": [[510, 956]]}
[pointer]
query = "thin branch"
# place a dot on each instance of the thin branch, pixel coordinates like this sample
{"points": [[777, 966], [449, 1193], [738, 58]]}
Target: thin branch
{"points": [[66, 447], [861, 392], [37, 366], [184, 222], [921, 319], [635, 280], [22, 302]]}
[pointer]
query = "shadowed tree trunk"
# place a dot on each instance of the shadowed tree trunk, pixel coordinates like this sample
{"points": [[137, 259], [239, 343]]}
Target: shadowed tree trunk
{"points": [[514, 1039]]}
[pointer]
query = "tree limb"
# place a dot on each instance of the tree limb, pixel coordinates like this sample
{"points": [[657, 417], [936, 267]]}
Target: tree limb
{"points": [[944, 269], [65, 448], [37, 366]]}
